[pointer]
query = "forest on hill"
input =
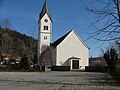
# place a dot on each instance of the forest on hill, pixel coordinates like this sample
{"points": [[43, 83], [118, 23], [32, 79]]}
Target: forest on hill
{"points": [[17, 44]]}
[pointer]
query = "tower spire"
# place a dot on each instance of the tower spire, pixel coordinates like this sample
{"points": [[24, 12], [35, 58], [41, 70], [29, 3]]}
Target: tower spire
{"points": [[45, 10]]}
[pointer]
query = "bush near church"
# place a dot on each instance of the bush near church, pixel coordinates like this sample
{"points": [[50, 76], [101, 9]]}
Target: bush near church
{"points": [[25, 63], [60, 68]]}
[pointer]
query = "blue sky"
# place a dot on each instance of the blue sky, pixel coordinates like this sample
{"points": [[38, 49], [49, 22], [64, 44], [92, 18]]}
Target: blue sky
{"points": [[66, 15]]}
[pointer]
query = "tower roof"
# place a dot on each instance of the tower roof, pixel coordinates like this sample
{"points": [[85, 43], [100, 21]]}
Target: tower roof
{"points": [[44, 11]]}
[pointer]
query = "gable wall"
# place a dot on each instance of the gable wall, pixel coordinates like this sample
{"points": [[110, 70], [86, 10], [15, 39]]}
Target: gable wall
{"points": [[71, 46]]}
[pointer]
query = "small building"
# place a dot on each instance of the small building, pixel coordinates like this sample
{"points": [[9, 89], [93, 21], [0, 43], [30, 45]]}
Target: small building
{"points": [[9, 58], [6, 56]]}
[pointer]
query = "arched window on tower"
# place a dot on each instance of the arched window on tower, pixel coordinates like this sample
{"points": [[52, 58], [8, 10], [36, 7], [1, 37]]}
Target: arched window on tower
{"points": [[45, 27]]}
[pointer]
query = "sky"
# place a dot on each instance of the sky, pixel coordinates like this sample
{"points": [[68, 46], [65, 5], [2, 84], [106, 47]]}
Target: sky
{"points": [[66, 15]]}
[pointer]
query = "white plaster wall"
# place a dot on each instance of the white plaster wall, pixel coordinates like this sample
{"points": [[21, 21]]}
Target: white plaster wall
{"points": [[72, 46], [42, 32], [43, 23]]}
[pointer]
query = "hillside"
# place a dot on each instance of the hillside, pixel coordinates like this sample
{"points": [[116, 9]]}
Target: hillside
{"points": [[17, 44]]}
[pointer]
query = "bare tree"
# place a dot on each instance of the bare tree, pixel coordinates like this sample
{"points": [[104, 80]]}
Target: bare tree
{"points": [[111, 58], [0, 47], [46, 57], [30, 50], [5, 24], [4, 37], [5, 47], [107, 24], [118, 48], [0, 42]]}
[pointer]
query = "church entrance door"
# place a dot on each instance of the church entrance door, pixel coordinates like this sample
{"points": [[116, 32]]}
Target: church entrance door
{"points": [[75, 64]]}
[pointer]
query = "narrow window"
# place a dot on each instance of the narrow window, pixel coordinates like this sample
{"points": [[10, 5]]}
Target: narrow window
{"points": [[45, 37], [45, 27]]}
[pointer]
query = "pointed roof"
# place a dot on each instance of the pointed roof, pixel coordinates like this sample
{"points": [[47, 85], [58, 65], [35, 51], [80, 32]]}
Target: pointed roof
{"points": [[57, 42], [44, 11]]}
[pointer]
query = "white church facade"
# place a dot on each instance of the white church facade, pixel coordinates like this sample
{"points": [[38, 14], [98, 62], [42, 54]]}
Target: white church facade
{"points": [[69, 50]]}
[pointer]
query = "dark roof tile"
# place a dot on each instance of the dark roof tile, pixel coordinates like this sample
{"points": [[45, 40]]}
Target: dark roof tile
{"points": [[57, 42], [44, 11]]}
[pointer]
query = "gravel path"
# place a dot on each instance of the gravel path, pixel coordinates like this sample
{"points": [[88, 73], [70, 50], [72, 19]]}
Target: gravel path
{"points": [[56, 81]]}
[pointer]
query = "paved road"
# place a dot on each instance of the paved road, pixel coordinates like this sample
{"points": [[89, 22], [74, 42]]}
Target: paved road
{"points": [[56, 81]]}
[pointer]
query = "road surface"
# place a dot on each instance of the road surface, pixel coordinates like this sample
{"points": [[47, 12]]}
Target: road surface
{"points": [[56, 81]]}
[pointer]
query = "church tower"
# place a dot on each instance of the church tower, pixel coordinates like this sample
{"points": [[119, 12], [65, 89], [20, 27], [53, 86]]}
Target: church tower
{"points": [[44, 29]]}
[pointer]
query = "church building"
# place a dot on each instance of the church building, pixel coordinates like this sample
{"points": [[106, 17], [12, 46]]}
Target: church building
{"points": [[68, 50]]}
